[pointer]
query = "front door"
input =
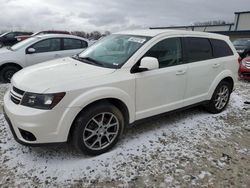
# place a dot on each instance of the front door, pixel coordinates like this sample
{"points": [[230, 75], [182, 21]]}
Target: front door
{"points": [[163, 89], [45, 50]]}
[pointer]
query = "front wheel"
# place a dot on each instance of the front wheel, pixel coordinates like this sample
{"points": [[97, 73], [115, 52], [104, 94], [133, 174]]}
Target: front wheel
{"points": [[220, 98], [1, 44], [97, 129]]}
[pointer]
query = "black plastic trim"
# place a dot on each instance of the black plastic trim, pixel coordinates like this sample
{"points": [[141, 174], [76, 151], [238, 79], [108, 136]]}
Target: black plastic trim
{"points": [[21, 142], [18, 91]]}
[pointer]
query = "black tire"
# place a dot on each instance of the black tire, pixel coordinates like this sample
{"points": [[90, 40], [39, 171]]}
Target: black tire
{"points": [[213, 106], [82, 139], [7, 72], [1, 44]]}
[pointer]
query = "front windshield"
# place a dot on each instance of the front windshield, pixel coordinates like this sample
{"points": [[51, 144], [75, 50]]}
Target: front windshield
{"points": [[23, 43], [242, 42], [3, 34], [113, 51]]}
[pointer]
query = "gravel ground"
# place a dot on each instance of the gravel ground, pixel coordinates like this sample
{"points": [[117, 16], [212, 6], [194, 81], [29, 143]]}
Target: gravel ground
{"points": [[191, 148]]}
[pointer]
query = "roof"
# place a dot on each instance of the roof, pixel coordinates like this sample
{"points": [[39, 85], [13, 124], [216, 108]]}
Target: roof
{"points": [[191, 26], [155, 32], [242, 33], [59, 35], [243, 12]]}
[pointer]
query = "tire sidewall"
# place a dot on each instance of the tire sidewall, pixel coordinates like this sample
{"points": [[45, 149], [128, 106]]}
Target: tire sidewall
{"points": [[84, 118], [214, 109], [4, 72]]}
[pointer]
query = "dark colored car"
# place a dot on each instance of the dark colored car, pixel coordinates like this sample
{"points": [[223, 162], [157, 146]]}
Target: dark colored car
{"points": [[243, 47], [244, 71], [23, 37], [9, 38]]}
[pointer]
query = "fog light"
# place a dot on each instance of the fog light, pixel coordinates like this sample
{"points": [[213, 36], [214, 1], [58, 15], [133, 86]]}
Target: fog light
{"points": [[27, 135]]}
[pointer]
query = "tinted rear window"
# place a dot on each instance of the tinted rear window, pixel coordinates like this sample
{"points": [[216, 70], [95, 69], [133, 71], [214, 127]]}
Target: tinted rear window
{"points": [[220, 48], [198, 49], [70, 44]]}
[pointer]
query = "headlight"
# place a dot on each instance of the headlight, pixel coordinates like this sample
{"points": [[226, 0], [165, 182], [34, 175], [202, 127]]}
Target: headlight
{"points": [[41, 101]]}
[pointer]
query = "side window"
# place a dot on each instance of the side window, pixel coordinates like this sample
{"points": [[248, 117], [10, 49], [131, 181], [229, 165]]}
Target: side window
{"points": [[47, 45], [198, 49], [10, 35], [84, 44], [70, 44], [220, 48], [168, 52]]}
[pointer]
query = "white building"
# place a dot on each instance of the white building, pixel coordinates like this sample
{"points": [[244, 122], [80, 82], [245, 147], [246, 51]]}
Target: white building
{"points": [[239, 29]]}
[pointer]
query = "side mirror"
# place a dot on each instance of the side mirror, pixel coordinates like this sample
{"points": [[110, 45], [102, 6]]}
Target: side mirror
{"points": [[31, 50], [149, 63]]}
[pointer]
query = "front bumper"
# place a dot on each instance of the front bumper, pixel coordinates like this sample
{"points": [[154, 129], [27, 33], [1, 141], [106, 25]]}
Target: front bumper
{"points": [[244, 73], [11, 128], [47, 126]]}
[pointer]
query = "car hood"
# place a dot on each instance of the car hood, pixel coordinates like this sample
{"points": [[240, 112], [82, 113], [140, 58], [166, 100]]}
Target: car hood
{"points": [[44, 76]]}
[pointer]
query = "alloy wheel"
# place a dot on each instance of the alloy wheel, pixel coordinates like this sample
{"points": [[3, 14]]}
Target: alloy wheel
{"points": [[221, 97], [101, 131]]}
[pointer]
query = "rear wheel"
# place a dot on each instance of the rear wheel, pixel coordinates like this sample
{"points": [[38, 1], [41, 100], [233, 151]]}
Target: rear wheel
{"points": [[97, 129], [220, 98], [1, 44], [7, 72]]}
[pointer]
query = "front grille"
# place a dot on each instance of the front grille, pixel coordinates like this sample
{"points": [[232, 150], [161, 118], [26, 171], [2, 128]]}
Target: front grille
{"points": [[16, 95], [18, 91], [248, 65], [14, 100]]}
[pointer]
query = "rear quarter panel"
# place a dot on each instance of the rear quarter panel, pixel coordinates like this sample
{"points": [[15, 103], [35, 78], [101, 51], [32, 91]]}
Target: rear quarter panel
{"points": [[230, 69]]}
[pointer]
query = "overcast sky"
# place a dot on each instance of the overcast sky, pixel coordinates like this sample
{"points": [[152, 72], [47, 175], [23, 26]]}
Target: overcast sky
{"points": [[112, 15]]}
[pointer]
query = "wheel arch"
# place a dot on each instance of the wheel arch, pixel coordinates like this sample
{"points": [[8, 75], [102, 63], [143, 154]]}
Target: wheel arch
{"points": [[114, 101], [227, 76], [10, 64], [230, 81]]}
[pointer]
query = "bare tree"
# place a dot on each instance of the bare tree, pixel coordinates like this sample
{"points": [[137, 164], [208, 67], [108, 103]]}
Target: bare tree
{"points": [[94, 35]]}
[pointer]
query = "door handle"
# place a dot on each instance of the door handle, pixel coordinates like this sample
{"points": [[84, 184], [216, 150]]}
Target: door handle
{"points": [[180, 72], [216, 65]]}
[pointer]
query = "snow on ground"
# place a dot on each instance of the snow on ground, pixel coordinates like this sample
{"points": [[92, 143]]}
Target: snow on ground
{"points": [[191, 147]]}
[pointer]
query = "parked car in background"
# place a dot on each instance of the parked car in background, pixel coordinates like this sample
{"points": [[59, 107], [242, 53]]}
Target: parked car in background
{"points": [[9, 38], [38, 49], [243, 47], [23, 37], [89, 99], [244, 71]]}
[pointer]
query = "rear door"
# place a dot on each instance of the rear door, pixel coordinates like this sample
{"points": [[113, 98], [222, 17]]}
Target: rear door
{"points": [[73, 46], [202, 68], [45, 50]]}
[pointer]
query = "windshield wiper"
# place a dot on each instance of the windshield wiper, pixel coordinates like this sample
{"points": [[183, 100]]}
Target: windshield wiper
{"points": [[88, 60], [92, 61]]}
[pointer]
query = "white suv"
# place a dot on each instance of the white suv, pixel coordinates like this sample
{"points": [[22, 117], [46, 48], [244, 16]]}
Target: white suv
{"points": [[90, 98]]}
